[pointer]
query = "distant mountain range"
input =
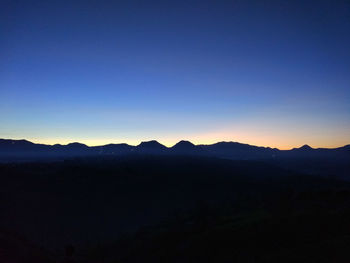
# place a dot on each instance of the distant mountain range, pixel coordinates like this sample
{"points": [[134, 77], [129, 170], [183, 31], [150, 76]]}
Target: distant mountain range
{"points": [[231, 150]]}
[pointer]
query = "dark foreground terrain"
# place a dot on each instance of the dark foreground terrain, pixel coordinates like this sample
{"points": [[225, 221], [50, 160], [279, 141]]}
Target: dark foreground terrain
{"points": [[170, 209]]}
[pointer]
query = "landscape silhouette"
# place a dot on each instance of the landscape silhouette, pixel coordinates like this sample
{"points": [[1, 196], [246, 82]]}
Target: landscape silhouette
{"points": [[177, 131], [191, 203]]}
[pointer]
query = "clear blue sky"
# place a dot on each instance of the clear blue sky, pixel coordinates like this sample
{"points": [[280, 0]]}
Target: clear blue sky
{"points": [[272, 73]]}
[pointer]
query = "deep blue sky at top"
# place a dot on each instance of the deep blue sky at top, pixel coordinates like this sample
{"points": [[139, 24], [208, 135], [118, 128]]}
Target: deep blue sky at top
{"points": [[273, 73]]}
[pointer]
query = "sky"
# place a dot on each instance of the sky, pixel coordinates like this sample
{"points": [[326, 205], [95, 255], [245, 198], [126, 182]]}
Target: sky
{"points": [[267, 73]]}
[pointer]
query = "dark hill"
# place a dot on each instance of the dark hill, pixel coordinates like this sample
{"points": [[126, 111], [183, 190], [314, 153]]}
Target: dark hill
{"points": [[328, 162], [235, 150], [186, 148], [113, 149], [150, 147]]}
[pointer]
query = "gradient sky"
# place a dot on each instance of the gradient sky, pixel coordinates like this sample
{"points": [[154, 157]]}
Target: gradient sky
{"points": [[270, 73]]}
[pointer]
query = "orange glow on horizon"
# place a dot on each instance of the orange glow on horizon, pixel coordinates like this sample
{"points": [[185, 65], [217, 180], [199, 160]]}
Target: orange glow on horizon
{"points": [[279, 142]]}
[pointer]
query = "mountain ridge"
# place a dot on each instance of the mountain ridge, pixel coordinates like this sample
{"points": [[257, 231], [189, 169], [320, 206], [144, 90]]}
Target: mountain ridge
{"points": [[230, 150], [155, 141]]}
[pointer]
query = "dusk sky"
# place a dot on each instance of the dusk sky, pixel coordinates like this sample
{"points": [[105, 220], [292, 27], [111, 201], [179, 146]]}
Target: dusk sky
{"points": [[268, 73]]}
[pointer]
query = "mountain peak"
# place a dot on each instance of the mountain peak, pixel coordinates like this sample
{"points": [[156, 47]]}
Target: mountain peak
{"points": [[10, 141], [77, 145], [184, 143], [151, 144], [184, 146], [305, 147]]}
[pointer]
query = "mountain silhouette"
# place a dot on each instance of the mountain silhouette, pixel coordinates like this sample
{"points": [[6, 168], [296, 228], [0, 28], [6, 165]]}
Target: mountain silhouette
{"points": [[151, 147], [230, 150], [303, 148], [235, 150], [186, 148], [111, 149]]}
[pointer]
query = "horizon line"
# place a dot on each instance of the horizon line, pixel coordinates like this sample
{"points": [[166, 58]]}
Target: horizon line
{"points": [[168, 146]]}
